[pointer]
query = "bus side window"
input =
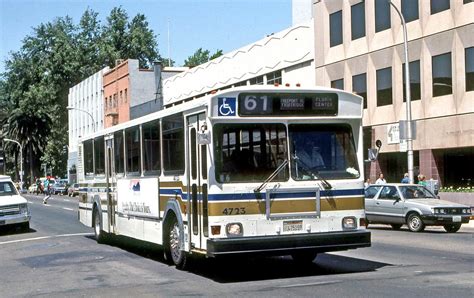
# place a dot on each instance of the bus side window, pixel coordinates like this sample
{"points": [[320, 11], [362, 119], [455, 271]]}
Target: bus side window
{"points": [[173, 145]]}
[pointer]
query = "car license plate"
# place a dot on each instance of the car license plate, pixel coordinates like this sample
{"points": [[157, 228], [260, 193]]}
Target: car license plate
{"points": [[457, 218], [292, 226]]}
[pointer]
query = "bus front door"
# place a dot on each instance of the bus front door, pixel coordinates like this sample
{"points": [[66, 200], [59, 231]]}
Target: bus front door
{"points": [[197, 185], [111, 183]]}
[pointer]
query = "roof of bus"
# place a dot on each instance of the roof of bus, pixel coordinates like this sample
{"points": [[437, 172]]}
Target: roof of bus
{"points": [[202, 101]]}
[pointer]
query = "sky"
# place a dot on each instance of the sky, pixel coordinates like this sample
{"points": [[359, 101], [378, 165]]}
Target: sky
{"points": [[209, 24]]}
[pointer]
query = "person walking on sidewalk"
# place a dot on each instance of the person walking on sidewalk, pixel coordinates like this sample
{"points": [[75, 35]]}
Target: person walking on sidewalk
{"points": [[405, 179], [381, 180]]}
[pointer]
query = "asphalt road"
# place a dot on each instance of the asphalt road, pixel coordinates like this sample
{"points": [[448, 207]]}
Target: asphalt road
{"points": [[59, 258]]}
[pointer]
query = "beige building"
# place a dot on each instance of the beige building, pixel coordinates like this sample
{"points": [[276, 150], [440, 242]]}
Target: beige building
{"points": [[359, 48]]}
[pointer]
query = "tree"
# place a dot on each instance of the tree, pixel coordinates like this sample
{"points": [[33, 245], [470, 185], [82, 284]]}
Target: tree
{"points": [[201, 56], [58, 55]]}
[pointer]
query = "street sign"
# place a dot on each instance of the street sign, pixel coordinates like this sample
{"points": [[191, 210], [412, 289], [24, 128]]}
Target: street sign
{"points": [[403, 125], [403, 146], [393, 134]]}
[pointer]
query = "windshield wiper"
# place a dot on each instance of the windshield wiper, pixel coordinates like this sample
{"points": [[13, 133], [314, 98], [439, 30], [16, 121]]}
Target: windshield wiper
{"points": [[315, 173], [272, 176]]}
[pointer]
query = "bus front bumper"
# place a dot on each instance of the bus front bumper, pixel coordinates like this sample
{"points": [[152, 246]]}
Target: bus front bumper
{"points": [[287, 244]]}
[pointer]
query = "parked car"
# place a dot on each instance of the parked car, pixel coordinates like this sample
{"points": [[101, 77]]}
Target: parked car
{"points": [[73, 190], [13, 207], [59, 188], [413, 205], [33, 188]]}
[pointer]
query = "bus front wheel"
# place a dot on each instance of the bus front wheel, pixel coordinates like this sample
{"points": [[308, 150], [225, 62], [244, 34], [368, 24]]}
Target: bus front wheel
{"points": [[173, 250]]}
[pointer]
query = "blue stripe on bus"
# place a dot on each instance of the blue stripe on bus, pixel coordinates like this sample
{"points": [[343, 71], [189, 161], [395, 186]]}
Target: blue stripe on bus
{"points": [[252, 196]]}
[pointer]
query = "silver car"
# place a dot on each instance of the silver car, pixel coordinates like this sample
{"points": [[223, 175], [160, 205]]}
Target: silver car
{"points": [[413, 205]]}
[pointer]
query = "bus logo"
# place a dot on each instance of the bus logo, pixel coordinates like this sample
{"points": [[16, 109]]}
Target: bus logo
{"points": [[226, 106]]}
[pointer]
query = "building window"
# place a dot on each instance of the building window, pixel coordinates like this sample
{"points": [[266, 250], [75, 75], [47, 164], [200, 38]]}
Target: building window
{"points": [[256, 81], [442, 75], [358, 20], [439, 6], [125, 95], [410, 10], [338, 84], [359, 86], [382, 15], [469, 61], [121, 96], [243, 83], [274, 78], [384, 86], [335, 28], [415, 81], [467, 1]]}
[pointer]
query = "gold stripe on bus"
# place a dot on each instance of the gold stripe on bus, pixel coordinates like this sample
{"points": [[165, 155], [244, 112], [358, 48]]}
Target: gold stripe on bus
{"points": [[285, 206]]}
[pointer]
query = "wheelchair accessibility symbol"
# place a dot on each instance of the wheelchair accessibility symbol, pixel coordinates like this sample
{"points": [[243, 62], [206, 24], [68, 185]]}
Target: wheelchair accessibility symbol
{"points": [[226, 106]]}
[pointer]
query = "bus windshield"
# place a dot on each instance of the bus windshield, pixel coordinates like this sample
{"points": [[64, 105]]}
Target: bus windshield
{"points": [[322, 151], [249, 152]]}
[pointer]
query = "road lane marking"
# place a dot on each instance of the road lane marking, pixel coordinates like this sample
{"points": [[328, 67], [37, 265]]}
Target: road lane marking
{"points": [[312, 284], [70, 209], [46, 237]]}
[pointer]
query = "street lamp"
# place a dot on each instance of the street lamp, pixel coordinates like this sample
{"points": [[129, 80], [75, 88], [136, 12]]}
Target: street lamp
{"points": [[407, 89], [21, 160], [84, 111]]}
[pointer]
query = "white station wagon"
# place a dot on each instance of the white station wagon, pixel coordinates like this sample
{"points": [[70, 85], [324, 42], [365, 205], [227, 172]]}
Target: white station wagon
{"points": [[414, 205], [13, 207]]}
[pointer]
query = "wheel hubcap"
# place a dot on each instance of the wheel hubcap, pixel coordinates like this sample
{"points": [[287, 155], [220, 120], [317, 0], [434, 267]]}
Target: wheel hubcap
{"points": [[415, 222], [174, 242]]}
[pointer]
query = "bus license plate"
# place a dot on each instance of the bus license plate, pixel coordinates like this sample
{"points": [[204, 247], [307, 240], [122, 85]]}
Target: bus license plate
{"points": [[292, 226], [457, 218]]}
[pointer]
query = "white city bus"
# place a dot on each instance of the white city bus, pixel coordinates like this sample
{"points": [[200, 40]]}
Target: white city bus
{"points": [[267, 170]]}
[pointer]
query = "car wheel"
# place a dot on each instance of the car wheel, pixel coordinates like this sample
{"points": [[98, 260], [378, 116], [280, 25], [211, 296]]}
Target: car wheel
{"points": [[396, 226], [452, 228], [304, 257], [173, 244], [415, 223], [99, 234]]}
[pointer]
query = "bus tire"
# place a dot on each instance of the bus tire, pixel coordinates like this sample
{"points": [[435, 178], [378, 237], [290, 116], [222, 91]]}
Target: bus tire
{"points": [[173, 243], [99, 233], [304, 257]]}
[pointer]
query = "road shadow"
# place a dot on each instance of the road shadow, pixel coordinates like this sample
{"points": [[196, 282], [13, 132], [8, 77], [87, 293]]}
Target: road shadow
{"points": [[13, 230], [404, 229], [242, 269]]}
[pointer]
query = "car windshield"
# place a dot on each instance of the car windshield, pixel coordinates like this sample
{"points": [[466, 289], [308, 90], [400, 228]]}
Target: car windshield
{"points": [[321, 151], [249, 152], [7, 189], [416, 192]]}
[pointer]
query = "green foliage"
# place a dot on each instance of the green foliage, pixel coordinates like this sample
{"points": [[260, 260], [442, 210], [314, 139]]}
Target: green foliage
{"points": [[457, 189], [58, 55], [201, 56]]}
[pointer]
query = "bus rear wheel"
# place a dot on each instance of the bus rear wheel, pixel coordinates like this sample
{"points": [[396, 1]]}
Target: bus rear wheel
{"points": [[173, 250], [304, 257]]}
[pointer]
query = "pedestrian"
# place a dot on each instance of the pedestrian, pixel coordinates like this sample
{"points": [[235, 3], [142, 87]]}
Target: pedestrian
{"points": [[422, 180], [381, 180], [46, 186], [405, 179], [367, 183]]}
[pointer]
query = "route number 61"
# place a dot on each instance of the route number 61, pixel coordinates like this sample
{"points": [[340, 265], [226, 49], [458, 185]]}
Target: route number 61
{"points": [[254, 104]]}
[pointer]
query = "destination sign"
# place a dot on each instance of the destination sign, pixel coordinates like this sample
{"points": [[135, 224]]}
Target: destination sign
{"points": [[288, 104]]}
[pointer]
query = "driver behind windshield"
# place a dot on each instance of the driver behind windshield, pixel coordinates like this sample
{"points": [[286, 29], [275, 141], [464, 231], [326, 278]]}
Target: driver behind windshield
{"points": [[308, 154]]}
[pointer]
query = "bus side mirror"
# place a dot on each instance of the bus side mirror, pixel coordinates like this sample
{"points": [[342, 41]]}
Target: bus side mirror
{"points": [[373, 153], [204, 136]]}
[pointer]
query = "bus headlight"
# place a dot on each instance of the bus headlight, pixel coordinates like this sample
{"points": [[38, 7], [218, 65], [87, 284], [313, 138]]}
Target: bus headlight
{"points": [[349, 223], [234, 229]]}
